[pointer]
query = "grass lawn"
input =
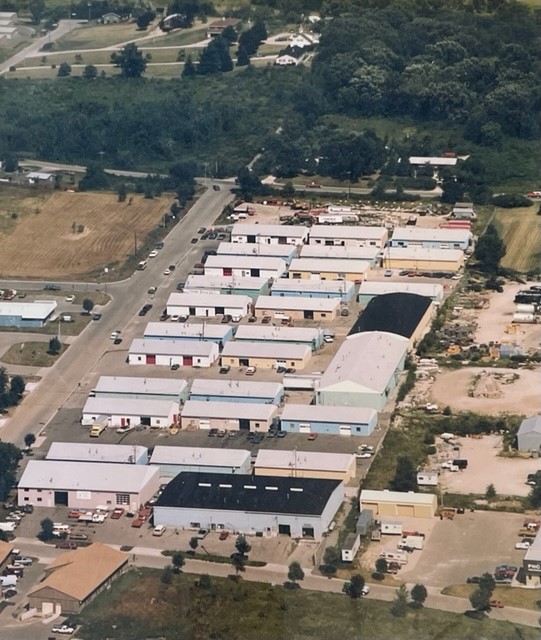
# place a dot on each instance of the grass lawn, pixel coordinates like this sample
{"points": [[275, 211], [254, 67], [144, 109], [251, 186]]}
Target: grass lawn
{"points": [[520, 229], [140, 606], [96, 36], [510, 596], [31, 354]]}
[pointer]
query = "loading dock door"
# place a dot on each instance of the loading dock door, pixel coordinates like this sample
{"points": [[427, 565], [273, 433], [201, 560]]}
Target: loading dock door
{"points": [[187, 361], [345, 430], [151, 359], [145, 420], [244, 424], [284, 529], [308, 315], [304, 427], [307, 531], [60, 498]]}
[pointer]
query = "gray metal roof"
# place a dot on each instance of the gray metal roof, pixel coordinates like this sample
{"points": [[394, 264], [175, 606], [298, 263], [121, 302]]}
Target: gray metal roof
{"points": [[278, 333], [530, 425], [94, 452], [196, 330], [276, 350], [236, 388], [339, 252], [303, 460], [39, 310], [229, 410], [416, 252], [200, 456], [365, 361], [373, 287], [306, 284], [214, 282], [129, 407], [346, 231], [276, 230], [97, 476], [298, 303], [323, 413], [327, 264], [399, 497], [155, 346], [211, 300], [131, 384], [260, 249], [421, 234], [246, 262]]}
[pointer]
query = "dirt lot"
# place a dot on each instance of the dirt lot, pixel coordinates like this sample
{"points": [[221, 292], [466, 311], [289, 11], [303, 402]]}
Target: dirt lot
{"points": [[43, 239], [522, 396], [485, 466]]}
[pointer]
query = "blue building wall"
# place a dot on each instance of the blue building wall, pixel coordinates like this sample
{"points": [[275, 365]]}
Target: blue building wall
{"points": [[344, 297], [227, 336], [252, 293], [17, 321], [429, 244], [332, 428]]}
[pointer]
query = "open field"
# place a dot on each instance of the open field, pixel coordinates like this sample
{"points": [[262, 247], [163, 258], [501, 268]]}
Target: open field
{"points": [[139, 606], [96, 36], [510, 596], [43, 243], [31, 354], [521, 231]]}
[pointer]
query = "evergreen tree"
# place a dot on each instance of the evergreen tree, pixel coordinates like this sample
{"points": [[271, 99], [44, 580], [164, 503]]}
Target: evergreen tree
{"points": [[490, 250], [243, 59], [190, 70], [405, 478]]}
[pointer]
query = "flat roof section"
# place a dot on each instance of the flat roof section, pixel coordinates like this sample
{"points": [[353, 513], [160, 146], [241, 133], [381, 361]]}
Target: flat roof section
{"points": [[275, 350], [129, 407], [297, 303], [303, 460], [195, 330], [236, 388], [155, 346], [352, 232], [277, 230], [323, 413], [131, 384], [204, 456], [210, 300], [93, 452], [228, 410]]}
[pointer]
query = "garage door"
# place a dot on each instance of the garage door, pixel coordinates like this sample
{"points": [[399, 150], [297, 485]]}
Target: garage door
{"points": [[345, 430], [304, 428], [187, 361], [151, 359], [406, 510], [204, 424]]}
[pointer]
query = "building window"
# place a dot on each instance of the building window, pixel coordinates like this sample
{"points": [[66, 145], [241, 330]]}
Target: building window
{"points": [[256, 424], [26, 498], [40, 500], [123, 498], [40, 490], [26, 491], [195, 525], [323, 315]]}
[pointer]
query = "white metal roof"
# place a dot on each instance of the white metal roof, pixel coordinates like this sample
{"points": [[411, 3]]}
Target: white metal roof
{"points": [[347, 232], [131, 384], [200, 456], [303, 460], [211, 282], [195, 330], [299, 303], [229, 410], [187, 348], [129, 407], [39, 310], [369, 495], [319, 265], [276, 230], [534, 552], [424, 254], [245, 262], [420, 234], [365, 360], [275, 350], [530, 425], [307, 284], [372, 287], [437, 161], [278, 333], [339, 252], [39, 175], [97, 476], [210, 300], [94, 452], [236, 388], [260, 249], [323, 413]]}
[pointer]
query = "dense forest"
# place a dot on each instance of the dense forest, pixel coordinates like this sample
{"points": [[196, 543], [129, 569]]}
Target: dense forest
{"points": [[459, 76]]}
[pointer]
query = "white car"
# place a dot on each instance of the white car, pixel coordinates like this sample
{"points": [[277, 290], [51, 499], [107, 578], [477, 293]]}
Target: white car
{"points": [[167, 272], [328, 339], [70, 298], [365, 590], [115, 335], [363, 454], [174, 318], [98, 518], [250, 371], [63, 628], [523, 544], [125, 429], [153, 253]]}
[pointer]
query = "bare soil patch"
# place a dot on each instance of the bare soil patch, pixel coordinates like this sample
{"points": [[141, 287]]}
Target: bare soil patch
{"points": [[102, 229]]}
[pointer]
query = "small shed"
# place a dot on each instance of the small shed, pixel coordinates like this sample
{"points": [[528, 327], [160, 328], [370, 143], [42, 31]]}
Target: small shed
{"points": [[529, 434], [427, 478], [365, 522]]}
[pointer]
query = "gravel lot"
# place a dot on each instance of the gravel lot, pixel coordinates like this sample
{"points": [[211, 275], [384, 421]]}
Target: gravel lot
{"points": [[485, 466]]}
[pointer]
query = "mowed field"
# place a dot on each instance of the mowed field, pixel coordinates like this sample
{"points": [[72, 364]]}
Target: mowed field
{"points": [[520, 229], [42, 243]]}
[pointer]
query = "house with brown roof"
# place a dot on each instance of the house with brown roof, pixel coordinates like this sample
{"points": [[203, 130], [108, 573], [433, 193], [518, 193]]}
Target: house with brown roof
{"points": [[76, 577], [217, 27]]}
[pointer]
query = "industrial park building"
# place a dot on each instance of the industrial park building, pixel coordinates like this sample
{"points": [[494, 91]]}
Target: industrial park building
{"points": [[414, 236], [204, 331], [359, 236], [305, 464], [265, 355], [123, 412], [421, 259], [364, 371], [342, 290], [311, 337], [371, 289], [174, 460], [297, 308], [94, 452], [343, 421], [269, 234], [251, 505], [251, 266], [397, 503], [133, 388], [252, 287], [329, 269], [237, 391], [231, 416], [341, 252], [185, 353], [207, 305], [285, 251]]}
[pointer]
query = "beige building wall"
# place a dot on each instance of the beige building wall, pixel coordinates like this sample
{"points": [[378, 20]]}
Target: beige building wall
{"points": [[266, 363], [330, 275], [405, 509], [229, 424], [295, 314], [422, 265]]}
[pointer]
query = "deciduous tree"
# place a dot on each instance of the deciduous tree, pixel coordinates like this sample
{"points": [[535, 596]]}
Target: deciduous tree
{"points": [[131, 61]]}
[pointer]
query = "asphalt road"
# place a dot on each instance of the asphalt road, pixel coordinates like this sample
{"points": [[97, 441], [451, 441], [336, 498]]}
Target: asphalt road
{"points": [[61, 380]]}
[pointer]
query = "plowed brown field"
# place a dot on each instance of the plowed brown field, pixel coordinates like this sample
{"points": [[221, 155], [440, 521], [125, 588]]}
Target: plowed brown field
{"points": [[43, 244], [520, 229]]}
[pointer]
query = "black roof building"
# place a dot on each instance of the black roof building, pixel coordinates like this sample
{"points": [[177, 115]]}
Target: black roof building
{"points": [[398, 313], [261, 494]]}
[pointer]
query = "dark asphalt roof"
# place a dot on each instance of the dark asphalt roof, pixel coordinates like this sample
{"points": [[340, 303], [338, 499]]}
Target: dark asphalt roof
{"points": [[398, 313], [263, 494]]}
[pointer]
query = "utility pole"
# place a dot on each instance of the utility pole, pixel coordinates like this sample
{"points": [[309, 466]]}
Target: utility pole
{"points": [[135, 244]]}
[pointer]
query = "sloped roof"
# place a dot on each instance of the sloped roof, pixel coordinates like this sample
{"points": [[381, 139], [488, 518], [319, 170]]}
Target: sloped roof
{"points": [[397, 313], [530, 425], [80, 572], [365, 362], [5, 551]]}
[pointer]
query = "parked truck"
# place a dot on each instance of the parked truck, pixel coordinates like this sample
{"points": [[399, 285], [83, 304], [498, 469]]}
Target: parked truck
{"points": [[412, 542]]}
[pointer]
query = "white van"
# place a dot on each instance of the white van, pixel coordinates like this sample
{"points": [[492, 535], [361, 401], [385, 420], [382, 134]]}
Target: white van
{"points": [[159, 530]]}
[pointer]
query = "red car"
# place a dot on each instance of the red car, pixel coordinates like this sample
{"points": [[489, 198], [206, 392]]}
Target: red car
{"points": [[496, 604], [137, 523], [117, 513], [313, 185], [224, 535], [312, 436]]}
